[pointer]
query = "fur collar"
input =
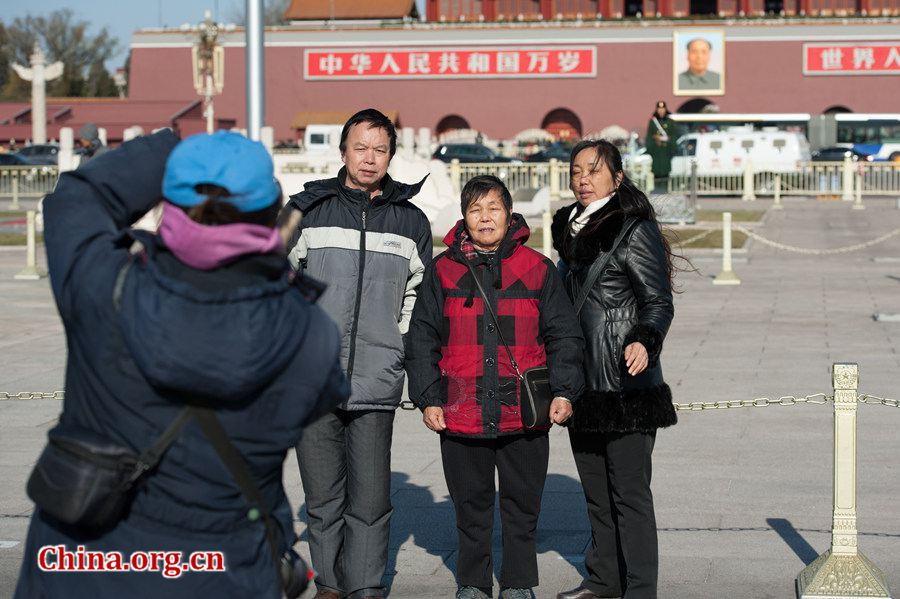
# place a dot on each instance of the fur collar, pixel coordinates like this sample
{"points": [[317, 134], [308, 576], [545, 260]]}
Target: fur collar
{"points": [[583, 248]]}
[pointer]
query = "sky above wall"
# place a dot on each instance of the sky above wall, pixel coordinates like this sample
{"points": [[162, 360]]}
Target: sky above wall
{"points": [[122, 17]]}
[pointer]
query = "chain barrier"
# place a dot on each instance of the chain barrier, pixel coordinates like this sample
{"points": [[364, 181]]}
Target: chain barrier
{"points": [[32, 395], [884, 401], [696, 237], [695, 406], [759, 402], [814, 252]]}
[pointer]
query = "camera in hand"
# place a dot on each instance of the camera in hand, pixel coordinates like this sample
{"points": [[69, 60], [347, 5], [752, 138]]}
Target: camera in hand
{"points": [[295, 574]]}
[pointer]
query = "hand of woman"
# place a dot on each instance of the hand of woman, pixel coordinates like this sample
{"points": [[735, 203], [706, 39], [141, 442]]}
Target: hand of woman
{"points": [[560, 410], [433, 417], [636, 358]]}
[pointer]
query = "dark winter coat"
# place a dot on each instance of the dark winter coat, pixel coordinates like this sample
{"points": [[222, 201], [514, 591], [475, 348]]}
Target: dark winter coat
{"points": [[630, 301], [372, 254], [243, 338], [661, 151], [455, 358]]}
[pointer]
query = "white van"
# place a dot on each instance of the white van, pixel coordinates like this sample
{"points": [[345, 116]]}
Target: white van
{"points": [[322, 138], [727, 152]]}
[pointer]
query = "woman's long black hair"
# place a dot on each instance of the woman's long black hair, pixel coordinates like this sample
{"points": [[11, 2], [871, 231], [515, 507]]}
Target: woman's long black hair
{"points": [[632, 201]]}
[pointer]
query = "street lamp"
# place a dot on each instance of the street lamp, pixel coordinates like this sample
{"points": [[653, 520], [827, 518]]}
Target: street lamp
{"points": [[208, 66]]}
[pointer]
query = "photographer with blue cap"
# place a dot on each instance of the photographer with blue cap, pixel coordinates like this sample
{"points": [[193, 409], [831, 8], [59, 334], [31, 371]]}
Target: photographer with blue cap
{"points": [[196, 359]]}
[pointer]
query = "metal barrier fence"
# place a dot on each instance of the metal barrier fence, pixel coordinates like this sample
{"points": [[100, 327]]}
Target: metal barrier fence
{"points": [[27, 181], [537, 175], [844, 179]]}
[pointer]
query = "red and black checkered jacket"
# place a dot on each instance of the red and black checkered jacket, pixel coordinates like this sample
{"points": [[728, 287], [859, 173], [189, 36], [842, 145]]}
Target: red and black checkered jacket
{"points": [[454, 357]]}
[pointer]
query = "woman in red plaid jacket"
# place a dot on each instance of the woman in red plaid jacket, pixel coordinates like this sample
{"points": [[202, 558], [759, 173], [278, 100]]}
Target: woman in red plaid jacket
{"points": [[461, 376]]}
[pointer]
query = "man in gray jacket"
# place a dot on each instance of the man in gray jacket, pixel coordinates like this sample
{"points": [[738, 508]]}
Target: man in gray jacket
{"points": [[362, 236]]}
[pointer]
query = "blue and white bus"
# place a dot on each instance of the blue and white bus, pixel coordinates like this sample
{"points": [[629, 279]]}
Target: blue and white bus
{"points": [[876, 135]]}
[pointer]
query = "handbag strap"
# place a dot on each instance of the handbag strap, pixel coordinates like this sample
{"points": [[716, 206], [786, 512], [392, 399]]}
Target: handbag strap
{"points": [[151, 456], [241, 474], [600, 263], [490, 310], [217, 436]]}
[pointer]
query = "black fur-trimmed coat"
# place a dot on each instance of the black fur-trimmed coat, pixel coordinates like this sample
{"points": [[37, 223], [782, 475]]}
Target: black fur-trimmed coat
{"points": [[630, 301]]}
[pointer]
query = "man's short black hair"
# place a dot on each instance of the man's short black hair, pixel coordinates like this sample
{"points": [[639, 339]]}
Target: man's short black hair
{"points": [[480, 186], [377, 120], [700, 39]]}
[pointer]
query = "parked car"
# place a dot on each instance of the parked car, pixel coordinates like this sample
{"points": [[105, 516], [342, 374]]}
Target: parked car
{"points": [[469, 153], [837, 153], [12, 160], [560, 150], [40, 154]]}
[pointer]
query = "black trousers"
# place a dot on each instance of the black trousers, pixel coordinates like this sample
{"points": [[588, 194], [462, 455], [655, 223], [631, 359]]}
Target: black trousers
{"points": [[521, 465], [615, 470]]}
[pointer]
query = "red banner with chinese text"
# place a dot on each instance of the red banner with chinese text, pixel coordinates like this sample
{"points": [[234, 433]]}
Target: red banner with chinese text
{"points": [[451, 63], [875, 58]]}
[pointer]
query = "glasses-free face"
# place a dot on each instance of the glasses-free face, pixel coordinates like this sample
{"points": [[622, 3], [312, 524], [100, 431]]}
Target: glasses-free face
{"points": [[487, 221], [367, 156], [591, 179], [698, 56]]}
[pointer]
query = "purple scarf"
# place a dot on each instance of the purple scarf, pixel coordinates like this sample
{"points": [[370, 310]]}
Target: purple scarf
{"points": [[208, 247]]}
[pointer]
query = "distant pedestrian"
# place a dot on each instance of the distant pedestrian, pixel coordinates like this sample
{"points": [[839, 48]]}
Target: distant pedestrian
{"points": [[662, 135], [89, 143]]}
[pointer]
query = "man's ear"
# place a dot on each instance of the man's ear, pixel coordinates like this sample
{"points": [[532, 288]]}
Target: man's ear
{"points": [[620, 176]]}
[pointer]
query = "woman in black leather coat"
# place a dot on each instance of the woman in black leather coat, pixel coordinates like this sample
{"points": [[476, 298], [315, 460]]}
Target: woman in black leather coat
{"points": [[626, 310]]}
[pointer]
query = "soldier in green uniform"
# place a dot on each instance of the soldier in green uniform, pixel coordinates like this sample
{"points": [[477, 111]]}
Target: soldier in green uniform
{"points": [[662, 134]]}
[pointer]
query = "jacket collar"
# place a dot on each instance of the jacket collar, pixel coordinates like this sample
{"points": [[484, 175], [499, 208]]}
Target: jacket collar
{"points": [[391, 191], [460, 244]]}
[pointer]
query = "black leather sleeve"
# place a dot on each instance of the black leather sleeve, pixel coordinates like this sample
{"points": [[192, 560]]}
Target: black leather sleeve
{"points": [[646, 264]]}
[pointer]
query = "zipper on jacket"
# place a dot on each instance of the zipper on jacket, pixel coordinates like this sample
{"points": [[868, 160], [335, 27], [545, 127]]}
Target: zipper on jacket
{"points": [[354, 326]]}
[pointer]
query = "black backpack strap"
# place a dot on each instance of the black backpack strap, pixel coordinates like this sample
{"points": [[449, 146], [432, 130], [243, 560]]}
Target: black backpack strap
{"points": [[152, 455], [600, 263], [241, 474]]}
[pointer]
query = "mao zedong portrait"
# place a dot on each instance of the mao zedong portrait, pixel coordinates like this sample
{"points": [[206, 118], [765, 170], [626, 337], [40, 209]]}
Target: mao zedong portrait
{"points": [[698, 76]]}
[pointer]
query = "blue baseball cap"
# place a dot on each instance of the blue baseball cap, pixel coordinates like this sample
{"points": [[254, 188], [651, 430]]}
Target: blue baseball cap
{"points": [[226, 159]]}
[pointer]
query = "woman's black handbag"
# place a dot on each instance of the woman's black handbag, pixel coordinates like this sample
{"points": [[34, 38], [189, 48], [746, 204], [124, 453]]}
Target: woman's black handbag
{"points": [[535, 395], [86, 480]]}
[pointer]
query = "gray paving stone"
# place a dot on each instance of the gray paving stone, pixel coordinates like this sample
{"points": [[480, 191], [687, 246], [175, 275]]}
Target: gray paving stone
{"points": [[743, 496]]}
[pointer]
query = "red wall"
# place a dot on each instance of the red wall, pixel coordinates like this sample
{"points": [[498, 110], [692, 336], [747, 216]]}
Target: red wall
{"points": [[668, 8], [762, 76]]}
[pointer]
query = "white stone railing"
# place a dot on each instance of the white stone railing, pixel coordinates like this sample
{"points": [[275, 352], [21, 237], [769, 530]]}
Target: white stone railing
{"points": [[847, 179], [27, 182]]}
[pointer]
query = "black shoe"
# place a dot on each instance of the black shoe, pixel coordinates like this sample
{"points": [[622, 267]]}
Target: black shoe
{"points": [[578, 593]]}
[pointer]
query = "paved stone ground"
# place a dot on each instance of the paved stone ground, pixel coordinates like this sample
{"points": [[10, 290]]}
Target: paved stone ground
{"points": [[743, 496]]}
